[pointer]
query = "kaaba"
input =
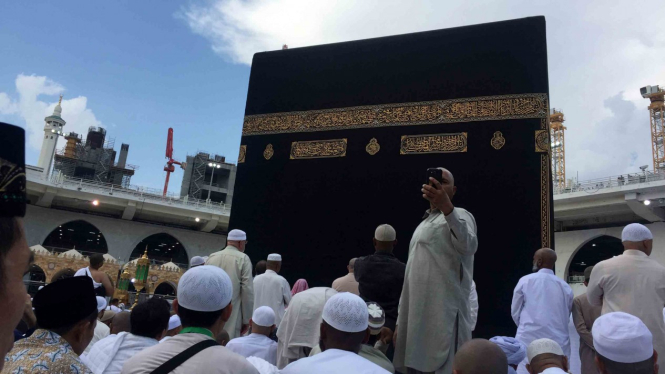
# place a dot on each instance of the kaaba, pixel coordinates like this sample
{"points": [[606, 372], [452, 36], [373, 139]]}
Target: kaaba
{"points": [[337, 139]]}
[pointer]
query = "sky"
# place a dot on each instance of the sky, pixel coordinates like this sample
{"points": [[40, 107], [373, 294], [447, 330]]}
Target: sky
{"points": [[140, 67]]}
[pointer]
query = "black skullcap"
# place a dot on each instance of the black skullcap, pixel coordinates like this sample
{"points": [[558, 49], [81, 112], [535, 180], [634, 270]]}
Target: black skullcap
{"points": [[65, 302], [12, 171]]}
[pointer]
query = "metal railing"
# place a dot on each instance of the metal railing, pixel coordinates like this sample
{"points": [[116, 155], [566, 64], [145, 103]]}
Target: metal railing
{"points": [[594, 185], [576, 279], [139, 193]]}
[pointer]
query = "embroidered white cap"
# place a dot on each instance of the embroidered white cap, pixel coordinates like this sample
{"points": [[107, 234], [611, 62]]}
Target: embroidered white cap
{"points": [[264, 316], [236, 235], [635, 232], [274, 257], [622, 337], [196, 261], [346, 312], [174, 322], [540, 346], [385, 233], [205, 288]]}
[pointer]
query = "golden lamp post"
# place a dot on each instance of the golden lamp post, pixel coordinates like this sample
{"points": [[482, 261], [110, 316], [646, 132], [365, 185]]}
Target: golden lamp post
{"points": [[141, 278], [123, 285]]}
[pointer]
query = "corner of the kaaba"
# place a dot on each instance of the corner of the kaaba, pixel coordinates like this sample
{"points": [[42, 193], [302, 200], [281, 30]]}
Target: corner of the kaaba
{"points": [[337, 139]]}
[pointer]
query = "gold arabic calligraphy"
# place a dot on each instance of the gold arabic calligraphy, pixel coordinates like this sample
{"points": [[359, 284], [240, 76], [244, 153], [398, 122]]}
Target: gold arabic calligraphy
{"points": [[318, 149], [433, 143]]}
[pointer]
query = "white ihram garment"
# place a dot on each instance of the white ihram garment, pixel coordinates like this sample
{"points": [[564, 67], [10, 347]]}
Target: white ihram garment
{"points": [[541, 309], [256, 345], [271, 289], [109, 354], [334, 361], [101, 331]]}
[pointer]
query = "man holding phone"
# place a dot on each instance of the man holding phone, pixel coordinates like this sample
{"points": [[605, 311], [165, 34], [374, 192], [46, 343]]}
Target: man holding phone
{"points": [[434, 312]]}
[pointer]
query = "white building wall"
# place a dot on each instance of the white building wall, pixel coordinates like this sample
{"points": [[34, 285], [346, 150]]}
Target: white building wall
{"points": [[121, 236]]}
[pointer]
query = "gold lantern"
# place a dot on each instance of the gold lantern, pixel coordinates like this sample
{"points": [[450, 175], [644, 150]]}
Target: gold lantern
{"points": [[141, 277]]}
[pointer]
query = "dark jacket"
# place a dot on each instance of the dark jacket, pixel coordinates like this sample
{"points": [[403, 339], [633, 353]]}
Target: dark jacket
{"points": [[380, 279]]}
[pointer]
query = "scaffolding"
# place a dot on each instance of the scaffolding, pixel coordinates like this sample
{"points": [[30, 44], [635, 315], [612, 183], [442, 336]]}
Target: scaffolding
{"points": [[657, 123], [198, 174], [93, 160], [557, 132]]}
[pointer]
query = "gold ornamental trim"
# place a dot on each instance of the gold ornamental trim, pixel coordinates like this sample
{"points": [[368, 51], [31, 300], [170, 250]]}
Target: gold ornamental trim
{"points": [[542, 141], [498, 141], [487, 108], [241, 155], [545, 200], [433, 143], [318, 149], [373, 147], [268, 152]]}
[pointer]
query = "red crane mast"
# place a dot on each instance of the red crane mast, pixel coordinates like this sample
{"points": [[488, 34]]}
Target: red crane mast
{"points": [[169, 168]]}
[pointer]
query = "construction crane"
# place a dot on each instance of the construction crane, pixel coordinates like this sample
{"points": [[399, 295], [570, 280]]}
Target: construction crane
{"points": [[169, 168], [656, 113], [557, 130]]}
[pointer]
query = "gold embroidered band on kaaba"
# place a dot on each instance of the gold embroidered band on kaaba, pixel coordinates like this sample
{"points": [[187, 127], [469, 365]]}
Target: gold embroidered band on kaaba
{"points": [[318, 149], [433, 143], [420, 113]]}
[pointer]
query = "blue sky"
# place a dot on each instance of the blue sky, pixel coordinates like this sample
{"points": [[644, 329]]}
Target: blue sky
{"points": [[140, 67], [141, 70]]}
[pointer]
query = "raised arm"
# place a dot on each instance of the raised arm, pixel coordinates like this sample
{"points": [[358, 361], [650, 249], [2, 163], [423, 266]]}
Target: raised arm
{"points": [[246, 291]]}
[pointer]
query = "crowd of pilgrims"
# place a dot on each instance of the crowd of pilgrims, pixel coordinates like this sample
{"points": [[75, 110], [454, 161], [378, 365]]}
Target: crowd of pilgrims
{"points": [[383, 316]]}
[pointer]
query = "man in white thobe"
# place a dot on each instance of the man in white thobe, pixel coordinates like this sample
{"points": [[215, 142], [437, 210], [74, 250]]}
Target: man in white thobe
{"points": [[101, 329], [271, 289], [345, 326], [149, 321], [204, 305], [633, 283], [238, 266], [299, 330], [258, 343], [437, 284], [541, 305]]}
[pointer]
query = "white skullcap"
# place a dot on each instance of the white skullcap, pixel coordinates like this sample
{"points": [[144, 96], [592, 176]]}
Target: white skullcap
{"points": [[264, 316], [635, 233], [236, 235], [622, 337], [40, 287], [274, 257], [174, 322], [540, 346], [101, 304], [196, 261], [346, 312], [385, 233], [205, 288]]}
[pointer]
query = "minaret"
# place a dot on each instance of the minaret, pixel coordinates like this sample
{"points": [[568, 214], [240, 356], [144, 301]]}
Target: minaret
{"points": [[52, 130]]}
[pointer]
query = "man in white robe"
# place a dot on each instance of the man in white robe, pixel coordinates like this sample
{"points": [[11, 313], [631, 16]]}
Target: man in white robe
{"points": [[299, 330], [204, 305], [238, 266], [633, 283], [149, 321], [437, 284], [541, 305], [344, 328], [101, 329], [473, 306], [271, 289], [258, 343]]}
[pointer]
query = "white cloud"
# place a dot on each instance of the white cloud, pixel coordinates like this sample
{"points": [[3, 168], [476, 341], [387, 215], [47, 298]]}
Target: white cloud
{"points": [[596, 51], [31, 110]]}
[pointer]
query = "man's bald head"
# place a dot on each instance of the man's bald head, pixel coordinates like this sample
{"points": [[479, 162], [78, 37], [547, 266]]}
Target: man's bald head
{"points": [[223, 337], [447, 175], [544, 258], [120, 323], [352, 262], [480, 356]]}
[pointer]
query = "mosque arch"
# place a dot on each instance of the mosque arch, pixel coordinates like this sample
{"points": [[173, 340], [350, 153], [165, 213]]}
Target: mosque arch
{"points": [[162, 247], [166, 288], [79, 234], [594, 250], [62, 274]]}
